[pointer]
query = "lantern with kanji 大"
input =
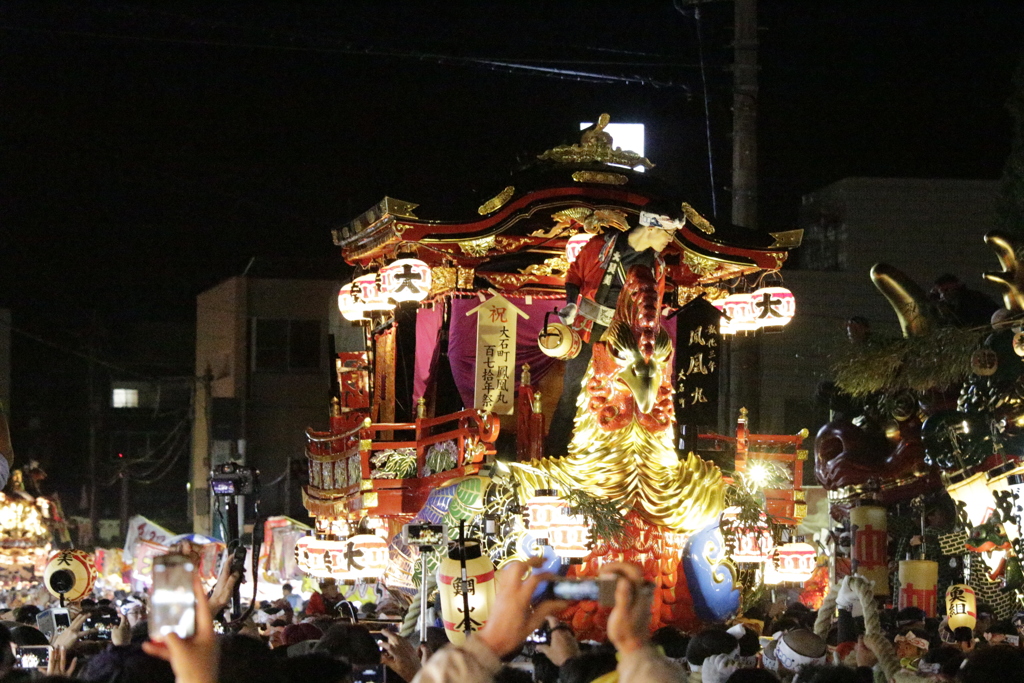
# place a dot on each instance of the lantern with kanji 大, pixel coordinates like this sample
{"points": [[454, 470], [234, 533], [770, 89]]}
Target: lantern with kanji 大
{"points": [[406, 279], [69, 574], [961, 606], [363, 556], [772, 306], [466, 599], [795, 564], [541, 510], [919, 585], [870, 545], [739, 313]]}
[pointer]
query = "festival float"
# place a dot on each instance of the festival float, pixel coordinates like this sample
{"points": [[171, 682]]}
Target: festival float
{"points": [[923, 465], [442, 417]]}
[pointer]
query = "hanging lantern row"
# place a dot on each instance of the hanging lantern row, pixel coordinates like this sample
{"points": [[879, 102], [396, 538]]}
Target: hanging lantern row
{"points": [[795, 563], [552, 523], [750, 311], [363, 556], [402, 280], [754, 545]]}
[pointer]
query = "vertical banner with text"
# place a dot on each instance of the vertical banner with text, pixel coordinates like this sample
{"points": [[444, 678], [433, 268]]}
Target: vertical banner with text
{"points": [[496, 354], [698, 356]]}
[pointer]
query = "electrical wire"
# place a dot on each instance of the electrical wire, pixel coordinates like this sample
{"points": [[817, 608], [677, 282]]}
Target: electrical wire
{"points": [[707, 108]]}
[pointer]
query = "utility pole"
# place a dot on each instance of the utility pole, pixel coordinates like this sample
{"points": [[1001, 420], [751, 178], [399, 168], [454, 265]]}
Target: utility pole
{"points": [[94, 417], [741, 383]]}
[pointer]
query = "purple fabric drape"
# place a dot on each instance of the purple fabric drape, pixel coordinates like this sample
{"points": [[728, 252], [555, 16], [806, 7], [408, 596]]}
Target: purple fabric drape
{"points": [[462, 342], [428, 328]]}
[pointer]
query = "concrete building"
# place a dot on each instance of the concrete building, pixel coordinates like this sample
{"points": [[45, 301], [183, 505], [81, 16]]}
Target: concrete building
{"points": [[921, 226], [262, 356]]}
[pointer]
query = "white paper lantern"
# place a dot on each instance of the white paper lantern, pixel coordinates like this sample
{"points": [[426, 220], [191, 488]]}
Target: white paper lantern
{"points": [[478, 586], [406, 279]]}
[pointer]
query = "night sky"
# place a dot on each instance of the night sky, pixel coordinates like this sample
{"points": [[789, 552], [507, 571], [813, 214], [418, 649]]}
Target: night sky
{"points": [[150, 150]]}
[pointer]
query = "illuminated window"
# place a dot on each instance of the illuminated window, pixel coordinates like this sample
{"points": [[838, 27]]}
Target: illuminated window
{"points": [[125, 398], [628, 137]]}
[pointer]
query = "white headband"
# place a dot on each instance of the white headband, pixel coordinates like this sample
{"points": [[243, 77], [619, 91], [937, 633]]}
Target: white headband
{"points": [[919, 643], [791, 659], [653, 220]]}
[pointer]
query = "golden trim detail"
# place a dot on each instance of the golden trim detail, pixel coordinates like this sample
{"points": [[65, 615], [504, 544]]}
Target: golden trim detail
{"points": [[478, 247], [699, 265], [602, 177], [787, 239], [556, 266], [497, 201]]}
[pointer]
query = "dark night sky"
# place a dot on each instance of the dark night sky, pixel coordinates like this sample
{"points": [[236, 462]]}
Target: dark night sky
{"points": [[149, 153], [150, 150]]}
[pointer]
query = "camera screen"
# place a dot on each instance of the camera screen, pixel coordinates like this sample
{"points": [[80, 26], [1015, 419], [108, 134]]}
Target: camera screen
{"points": [[224, 487], [33, 656], [541, 636], [575, 590], [61, 619], [173, 600]]}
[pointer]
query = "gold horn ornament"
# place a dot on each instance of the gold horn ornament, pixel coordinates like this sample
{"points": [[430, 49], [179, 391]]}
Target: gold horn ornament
{"points": [[1011, 278], [906, 297]]}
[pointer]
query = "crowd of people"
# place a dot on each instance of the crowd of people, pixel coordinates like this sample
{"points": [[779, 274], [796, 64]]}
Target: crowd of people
{"points": [[849, 640]]}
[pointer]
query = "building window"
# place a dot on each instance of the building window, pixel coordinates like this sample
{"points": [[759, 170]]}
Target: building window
{"points": [[285, 345], [125, 398]]}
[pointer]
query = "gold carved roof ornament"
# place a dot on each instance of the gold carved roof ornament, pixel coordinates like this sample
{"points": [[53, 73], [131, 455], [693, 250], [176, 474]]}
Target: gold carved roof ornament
{"points": [[600, 177], [556, 266], [696, 220], [497, 201], [596, 145], [1011, 278]]}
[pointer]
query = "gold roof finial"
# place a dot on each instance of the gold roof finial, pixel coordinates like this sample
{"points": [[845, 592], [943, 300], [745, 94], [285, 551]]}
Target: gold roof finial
{"points": [[596, 145]]}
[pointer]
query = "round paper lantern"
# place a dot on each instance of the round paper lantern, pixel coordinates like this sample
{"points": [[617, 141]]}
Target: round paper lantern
{"points": [[1005, 481], [370, 293], [406, 279], [363, 556], [961, 606], [919, 585], [311, 556], [575, 245], [772, 306], [796, 563], [870, 545], [71, 572], [754, 545], [569, 534], [454, 588], [541, 510], [351, 308]]}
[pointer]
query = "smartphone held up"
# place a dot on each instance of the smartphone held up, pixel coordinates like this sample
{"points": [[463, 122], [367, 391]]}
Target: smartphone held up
{"points": [[173, 601]]}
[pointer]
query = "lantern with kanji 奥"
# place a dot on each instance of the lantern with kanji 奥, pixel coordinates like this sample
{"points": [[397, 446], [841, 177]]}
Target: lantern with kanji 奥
{"points": [[919, 585], [961, 606], [311, 556], [870, 545], [69, 575], [466, 599]]}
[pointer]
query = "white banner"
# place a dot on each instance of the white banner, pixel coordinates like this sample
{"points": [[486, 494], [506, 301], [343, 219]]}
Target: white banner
{"points": [[496, 324], [141, 529]]}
